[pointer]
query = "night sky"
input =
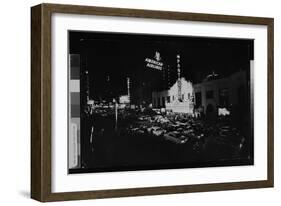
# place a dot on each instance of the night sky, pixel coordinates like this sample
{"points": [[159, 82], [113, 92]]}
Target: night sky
{"points": [[119, 55]]}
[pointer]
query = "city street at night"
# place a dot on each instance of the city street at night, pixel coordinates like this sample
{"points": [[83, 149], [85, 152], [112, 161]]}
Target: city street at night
{"points": [[141, 102]]}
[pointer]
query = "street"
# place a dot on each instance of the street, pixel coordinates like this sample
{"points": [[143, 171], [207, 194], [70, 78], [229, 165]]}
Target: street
{"points": [[152, 140]]}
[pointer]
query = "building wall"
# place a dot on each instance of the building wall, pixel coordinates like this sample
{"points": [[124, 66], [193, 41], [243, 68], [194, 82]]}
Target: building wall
{"points": [[235, 87], [169, 98]]}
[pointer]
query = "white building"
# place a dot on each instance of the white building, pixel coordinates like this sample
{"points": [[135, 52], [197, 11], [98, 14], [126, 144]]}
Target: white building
{"points": [[174, 100]]}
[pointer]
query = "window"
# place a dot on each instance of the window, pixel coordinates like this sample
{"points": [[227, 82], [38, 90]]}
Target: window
{"points": [[188, 95], [198, 99], [163, 101], [210, 94], [168, 99], [182, 96], [223, 97]]}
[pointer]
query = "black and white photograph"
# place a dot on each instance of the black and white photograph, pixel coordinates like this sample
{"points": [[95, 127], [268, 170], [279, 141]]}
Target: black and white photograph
{"points": [[150, 102]]}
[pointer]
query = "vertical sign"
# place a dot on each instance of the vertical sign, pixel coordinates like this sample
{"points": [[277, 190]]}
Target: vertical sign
{"points": [[128, 88], [179, 77]]}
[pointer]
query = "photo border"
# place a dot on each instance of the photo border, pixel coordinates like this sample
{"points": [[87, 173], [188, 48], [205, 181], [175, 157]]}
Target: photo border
{"points": [[41, 117]]}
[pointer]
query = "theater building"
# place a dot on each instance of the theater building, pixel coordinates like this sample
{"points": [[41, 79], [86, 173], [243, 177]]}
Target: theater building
{"points": [[175, 100]]}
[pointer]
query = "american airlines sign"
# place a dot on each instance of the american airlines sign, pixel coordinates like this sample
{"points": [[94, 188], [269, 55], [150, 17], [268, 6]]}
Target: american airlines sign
{"points": [[154, 63]]}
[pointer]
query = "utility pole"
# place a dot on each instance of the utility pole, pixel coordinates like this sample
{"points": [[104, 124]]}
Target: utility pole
{"points": [[116, 113]]}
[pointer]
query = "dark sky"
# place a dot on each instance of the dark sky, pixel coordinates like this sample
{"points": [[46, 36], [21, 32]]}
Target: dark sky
{"points": [[119, 55]]}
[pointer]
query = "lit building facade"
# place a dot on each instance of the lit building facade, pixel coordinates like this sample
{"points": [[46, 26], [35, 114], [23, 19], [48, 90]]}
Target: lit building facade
{"points": [[170, 99]]}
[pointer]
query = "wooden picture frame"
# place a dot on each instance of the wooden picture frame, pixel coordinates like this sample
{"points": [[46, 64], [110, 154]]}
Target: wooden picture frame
{"points": [[41, 116]]}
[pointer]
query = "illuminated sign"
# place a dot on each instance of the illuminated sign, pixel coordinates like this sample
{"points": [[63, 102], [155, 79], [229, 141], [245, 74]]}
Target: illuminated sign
{"points": [[157, 56], [154, 63]]}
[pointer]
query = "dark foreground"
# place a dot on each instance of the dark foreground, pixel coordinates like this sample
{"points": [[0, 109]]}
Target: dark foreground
{"points": [[147, 140]]}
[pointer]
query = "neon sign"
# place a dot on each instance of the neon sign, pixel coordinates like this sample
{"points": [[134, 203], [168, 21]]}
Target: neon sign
{"points": [[154, 63]]}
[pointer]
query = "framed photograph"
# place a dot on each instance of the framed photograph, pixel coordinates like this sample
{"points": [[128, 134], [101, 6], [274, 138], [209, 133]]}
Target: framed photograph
{"points": [[130, 102]]}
